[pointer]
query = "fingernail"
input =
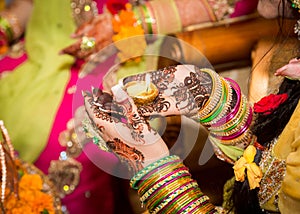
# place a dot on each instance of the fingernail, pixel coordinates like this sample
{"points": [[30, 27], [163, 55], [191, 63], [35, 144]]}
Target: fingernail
{"points": [[119, 93]]}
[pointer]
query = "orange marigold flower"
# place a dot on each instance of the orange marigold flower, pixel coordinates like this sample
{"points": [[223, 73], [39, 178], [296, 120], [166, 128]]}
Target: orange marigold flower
{"points": [[31, 181], [126, 27]]}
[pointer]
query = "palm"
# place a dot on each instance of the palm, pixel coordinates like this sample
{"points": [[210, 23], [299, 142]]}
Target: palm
{"points": [[123, 132]]}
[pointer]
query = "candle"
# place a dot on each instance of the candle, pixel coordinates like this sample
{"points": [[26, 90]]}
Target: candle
{"points": [[142, 92]]}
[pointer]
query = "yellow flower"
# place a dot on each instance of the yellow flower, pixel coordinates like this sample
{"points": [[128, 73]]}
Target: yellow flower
{"points": [[254, 173]]}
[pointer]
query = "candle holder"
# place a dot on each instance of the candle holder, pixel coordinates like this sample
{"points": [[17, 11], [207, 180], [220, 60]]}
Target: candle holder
{"points": [[142, 92]]}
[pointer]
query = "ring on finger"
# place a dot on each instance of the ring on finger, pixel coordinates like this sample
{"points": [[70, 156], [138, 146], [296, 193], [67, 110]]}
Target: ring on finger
{"points": [[87, 43]]}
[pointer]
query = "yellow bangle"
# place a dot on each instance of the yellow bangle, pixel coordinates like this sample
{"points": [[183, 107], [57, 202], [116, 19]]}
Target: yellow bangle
{"points": [[290, 78]]}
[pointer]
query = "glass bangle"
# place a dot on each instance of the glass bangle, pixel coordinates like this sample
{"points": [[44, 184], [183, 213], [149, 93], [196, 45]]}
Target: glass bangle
{"points": [[137, 177], [146, 184], [237, 91], [218, 108]]}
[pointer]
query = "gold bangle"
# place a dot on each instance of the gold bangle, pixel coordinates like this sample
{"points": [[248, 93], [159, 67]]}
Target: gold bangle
{"points": [[145, 185], [163, 9], [169, 188]]}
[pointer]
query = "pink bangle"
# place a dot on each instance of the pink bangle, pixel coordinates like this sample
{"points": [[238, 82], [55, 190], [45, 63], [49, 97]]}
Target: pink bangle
{"points": [[240, 132], [228, 117]]}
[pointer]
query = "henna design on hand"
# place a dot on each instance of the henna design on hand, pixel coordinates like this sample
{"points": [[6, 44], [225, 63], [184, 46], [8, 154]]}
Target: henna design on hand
{"points": [[103, 107], [127, 154], [190, 95], [158, 105], [199, 86]]}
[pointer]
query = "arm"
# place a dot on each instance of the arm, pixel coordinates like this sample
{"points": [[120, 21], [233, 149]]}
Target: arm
{"points": [[158, 17], [163, 183], [290, 70], [206, 97]]}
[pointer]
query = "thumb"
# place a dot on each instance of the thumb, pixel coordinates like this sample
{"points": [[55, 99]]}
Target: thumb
{"points": [[140, 128]]}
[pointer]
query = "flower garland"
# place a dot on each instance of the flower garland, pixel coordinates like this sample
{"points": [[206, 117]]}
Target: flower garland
{"points": [[31, 197], [24, 188]]}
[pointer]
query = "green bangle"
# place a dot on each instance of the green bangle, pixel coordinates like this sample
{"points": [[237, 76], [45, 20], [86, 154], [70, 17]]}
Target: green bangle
{"points": [[149, 168], [148, 19], [6, 28]]}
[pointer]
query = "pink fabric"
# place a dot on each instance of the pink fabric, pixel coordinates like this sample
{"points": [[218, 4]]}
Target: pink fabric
{"points": [[8, 63], [244, 7], [94, 192], [93, 181]]}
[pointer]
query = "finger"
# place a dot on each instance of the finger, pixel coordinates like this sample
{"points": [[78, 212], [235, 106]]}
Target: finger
{"points": [[294, 60], [280, 71], [71, 49], [141, 132]]}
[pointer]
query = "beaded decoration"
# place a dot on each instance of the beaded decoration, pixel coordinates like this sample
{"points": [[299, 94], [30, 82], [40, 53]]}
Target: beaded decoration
{"points": [[274, 171], [83, 10], [296, 5]]}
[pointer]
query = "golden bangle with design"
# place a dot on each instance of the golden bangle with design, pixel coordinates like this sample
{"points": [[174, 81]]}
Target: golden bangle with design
{"points": [[182, 201], [226, 105], [243, 120], [169, 188], [217, 107], [242, 141], [147, 183], [215, 95], [161, 183], [222, 107], [235, 120]]}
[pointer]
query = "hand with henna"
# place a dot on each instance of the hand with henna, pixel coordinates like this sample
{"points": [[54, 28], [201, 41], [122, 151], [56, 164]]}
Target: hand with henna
{"points": [[91, 37], [114, 120], [183, 90], [290, 70]]}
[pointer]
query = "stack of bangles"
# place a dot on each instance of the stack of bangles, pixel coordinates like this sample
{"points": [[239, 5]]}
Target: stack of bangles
{"points": [[227, 114], [166, 186], [151, 15]]}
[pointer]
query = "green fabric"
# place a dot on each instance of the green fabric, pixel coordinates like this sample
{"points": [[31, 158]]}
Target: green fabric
{"points": [[31, 94], [233, 152]]}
